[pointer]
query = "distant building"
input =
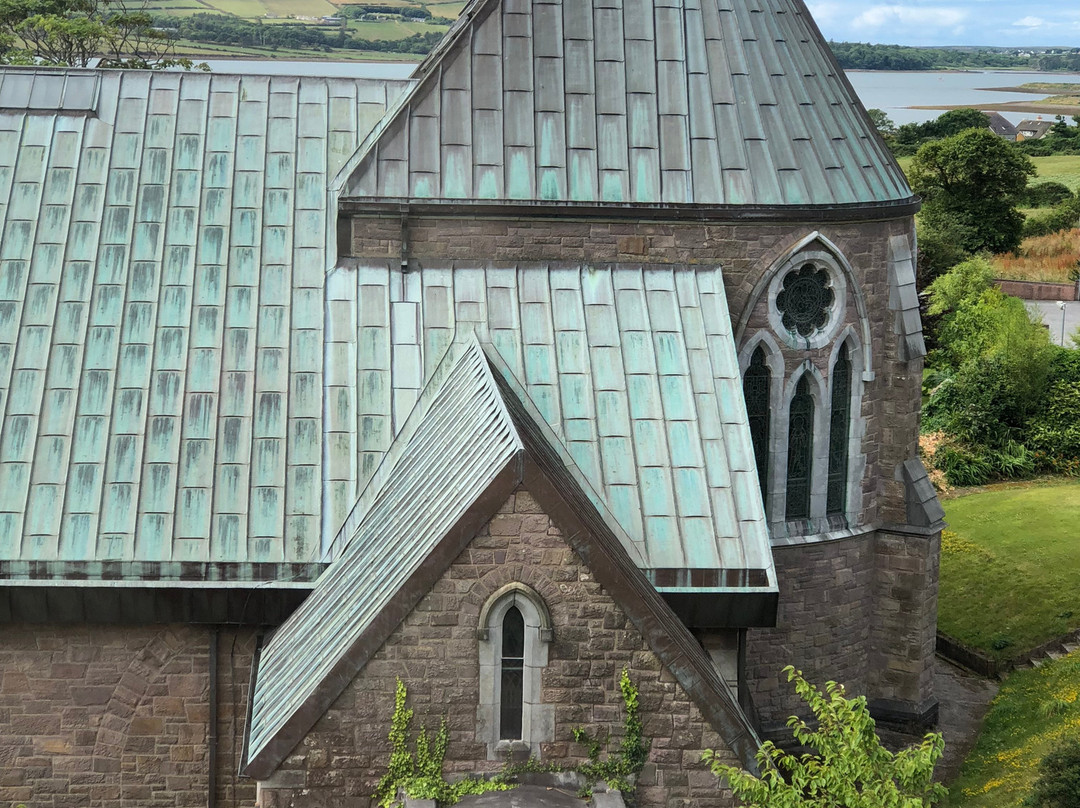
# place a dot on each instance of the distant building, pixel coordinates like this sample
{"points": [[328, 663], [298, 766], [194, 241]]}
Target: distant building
{"points": [[1033, 129], [594, 344], [1001, 126]]}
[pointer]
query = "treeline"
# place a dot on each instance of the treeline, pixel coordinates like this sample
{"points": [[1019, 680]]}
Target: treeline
{"points": [[221, 29], [864, 56]]}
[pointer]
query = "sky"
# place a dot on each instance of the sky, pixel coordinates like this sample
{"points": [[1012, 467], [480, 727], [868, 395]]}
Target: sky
{"points": [[957, 22]]}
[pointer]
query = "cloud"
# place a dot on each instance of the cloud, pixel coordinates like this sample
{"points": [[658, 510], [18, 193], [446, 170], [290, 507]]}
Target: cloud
{"points": [[882, 16], [1030, 22]]}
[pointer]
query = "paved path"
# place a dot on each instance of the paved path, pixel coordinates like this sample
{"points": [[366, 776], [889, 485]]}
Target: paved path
{"points": [[1051, 315]]}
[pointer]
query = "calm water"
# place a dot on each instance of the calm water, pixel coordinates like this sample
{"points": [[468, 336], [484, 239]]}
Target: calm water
{"points": [[892, 92]]}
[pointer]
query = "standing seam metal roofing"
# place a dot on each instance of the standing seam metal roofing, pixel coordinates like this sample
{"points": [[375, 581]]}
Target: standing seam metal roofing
{"points": [[163, 255], [708, 102], [633, 368]]}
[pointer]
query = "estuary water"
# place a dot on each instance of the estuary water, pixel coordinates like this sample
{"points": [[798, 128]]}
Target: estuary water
{"points": [[894, 92]]}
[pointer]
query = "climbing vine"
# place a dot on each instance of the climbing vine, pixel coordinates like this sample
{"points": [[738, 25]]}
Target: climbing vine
{"points": [[617, 768], [419, 774]]}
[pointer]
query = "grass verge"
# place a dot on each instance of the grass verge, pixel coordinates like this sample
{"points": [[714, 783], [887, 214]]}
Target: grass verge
{"points": [[1010, 567], [1035, 711]]}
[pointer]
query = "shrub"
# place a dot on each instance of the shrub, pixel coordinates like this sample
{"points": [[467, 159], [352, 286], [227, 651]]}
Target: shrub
{"points": [[849, 767], [1058, 785], [961, 466], [1063, 216], [1044, 195]]}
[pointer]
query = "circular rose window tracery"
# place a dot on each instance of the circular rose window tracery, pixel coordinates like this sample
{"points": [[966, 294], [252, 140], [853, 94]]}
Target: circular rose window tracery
{"points": [[805, 300]]}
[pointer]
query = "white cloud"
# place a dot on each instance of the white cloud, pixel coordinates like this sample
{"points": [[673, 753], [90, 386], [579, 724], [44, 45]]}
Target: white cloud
{"points": [[881, 16], [1030, 22]]}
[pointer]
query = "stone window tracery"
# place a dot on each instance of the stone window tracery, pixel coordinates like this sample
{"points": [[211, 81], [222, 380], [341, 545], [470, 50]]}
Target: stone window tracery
{"points": [[513, 635], [805, 300]]}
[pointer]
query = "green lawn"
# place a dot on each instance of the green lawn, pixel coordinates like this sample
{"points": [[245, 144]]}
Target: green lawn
{"points": [[1034, 711], [1063, 168], [1010, 567]]}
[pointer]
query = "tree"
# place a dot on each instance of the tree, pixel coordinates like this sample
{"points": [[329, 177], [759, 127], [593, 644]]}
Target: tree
{"points": [[882, 122], [972, 180], [850, 768], [74, 32]]}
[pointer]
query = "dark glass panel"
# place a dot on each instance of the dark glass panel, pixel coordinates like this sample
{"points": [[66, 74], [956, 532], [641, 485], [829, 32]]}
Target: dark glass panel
{"points": [[512, 676], [800, 451], [756, 385], [839, 429], [805, 300]]}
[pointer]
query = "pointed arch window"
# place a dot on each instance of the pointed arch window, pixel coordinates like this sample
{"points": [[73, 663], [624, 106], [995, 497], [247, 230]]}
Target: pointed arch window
{"points": [[756, 384], [839, 430], [512, 672], [800, 451]]}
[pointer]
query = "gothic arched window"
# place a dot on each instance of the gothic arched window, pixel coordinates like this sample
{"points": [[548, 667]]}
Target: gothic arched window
{"points": [[512, 665], [800, 451], [756, 384], [839, 430]]}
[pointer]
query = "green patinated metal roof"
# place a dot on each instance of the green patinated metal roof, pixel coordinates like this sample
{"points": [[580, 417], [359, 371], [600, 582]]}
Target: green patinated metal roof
{"points": [[724, 102], [460, 453], [164, 246], [633, 368]]}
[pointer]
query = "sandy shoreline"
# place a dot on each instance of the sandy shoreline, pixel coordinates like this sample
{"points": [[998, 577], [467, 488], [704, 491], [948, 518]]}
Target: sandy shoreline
{"points": [[1011, 106]]}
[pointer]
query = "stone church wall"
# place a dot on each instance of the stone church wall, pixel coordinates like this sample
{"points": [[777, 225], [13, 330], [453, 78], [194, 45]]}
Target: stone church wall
{"points": [[435, 653], [111, 716]]}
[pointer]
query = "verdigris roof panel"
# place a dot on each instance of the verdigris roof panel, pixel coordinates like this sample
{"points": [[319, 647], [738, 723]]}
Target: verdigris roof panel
{"points": [[632, 368], [164, 238], [688, 98]]}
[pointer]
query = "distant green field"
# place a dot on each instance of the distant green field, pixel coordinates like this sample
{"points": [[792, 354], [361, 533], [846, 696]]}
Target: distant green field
{"points": [[392, 29], [239, 8], [1063, 168], [300, 8], [449, 10]]}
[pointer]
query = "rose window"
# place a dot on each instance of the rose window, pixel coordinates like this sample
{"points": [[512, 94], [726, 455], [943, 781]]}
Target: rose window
{"points": [[805, 300]]}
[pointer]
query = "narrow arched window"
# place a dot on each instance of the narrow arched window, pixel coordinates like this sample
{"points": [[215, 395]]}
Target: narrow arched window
{"points": [[511, 681], [839, 430], [800, 451], [756, 385]]}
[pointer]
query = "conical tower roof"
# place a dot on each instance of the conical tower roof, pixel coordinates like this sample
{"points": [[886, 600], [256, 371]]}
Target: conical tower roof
{"points": [[630, 102]]}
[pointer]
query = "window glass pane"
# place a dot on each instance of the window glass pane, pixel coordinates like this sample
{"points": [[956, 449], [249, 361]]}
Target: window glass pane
{"points": [[839, 429], [800, 452], [512, 675], [756, 384]]}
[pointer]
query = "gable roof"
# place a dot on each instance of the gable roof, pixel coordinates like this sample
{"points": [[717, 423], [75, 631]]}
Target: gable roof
{"points": [[1036, 128], [658, 102], [470, 432], [633, 368], [1000, 125], [163, 247]]}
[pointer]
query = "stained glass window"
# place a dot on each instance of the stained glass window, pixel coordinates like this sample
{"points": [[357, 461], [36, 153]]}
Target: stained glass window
{"points": [[756, 385], [839, 428], [800, 451], [805, 300], [512, 678]]}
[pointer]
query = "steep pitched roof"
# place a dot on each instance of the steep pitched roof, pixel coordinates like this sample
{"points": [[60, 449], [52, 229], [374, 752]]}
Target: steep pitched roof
{"points": [[729, 102], [164, 246], [632, 368], [470, 432]]}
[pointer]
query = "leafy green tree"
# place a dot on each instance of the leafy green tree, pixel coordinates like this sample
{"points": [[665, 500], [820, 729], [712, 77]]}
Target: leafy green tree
{"points": [[973, 178], [849, 767], [994, 356], [882, 122], [75, 32]]}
